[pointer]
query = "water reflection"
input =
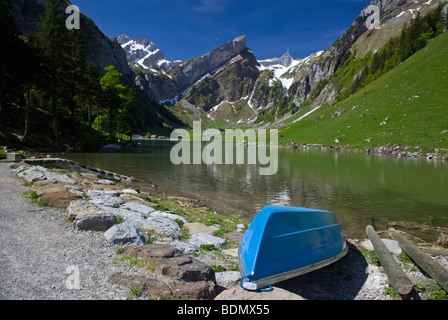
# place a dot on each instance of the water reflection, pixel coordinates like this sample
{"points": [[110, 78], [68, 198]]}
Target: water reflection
{"points": [[357, 187]]}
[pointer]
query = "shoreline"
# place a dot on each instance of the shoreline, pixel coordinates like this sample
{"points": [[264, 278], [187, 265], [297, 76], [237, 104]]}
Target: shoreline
{"points": [[374, 284]]}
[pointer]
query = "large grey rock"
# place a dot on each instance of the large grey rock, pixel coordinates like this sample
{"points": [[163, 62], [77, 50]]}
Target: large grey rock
{"points": [[87, 216], [183, 246], [227, 278], [138, 207], [199, 239], [128, 215], [100, 193], [107, 201], [32, 174], [165, 227], [51, 175], [168, 215], [125, 233], [187, 276]]}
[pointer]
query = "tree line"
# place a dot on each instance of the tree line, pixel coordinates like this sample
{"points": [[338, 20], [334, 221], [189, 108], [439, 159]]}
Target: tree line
{"points": [[45, 78], [355, 73]]}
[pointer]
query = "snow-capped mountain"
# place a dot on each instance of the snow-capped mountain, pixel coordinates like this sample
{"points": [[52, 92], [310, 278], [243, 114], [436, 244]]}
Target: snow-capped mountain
{"points": [[284, 67], [146, 54]]}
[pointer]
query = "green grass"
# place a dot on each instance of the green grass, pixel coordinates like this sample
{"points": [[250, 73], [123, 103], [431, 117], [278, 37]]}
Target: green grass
{"points": [[413, 97]]}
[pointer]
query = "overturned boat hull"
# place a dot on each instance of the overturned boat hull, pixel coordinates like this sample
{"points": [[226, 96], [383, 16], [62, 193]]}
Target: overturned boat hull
{"points": [[284, 242]]}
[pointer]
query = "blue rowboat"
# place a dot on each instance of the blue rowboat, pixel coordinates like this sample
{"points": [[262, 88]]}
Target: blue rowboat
{"points": [[282, 243]]}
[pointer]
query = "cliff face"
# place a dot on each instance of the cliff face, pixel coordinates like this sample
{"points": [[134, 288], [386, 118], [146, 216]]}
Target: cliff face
{"points": [[100, 50], [393, 15], [227, 72]]}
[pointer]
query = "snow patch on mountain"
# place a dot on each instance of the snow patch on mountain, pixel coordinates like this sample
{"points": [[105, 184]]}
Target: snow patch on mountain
{"points": [[282, 67], [144, 53]]}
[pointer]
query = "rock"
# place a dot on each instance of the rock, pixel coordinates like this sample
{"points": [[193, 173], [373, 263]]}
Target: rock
{"points": [[168, 215], [51, 175], [234, 236], [391, 245], [237, 293], [187, 276], [231, 252], [100, 193], [167, 228], [129, 191], [89, 217], [184, 247], [197, 227], [107, 201], [128, 215], [138, 207], [199, 239], [125, 233], [110, 148], [59, 199], [443, 240], [106, 182], [14, 157], [241, 227], [338, 113], [32, 174], [227, 278], [151, 285]]}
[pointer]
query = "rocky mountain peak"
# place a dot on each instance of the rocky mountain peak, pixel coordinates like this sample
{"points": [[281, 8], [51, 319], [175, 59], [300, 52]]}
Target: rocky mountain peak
{"points": [[145, 54]]}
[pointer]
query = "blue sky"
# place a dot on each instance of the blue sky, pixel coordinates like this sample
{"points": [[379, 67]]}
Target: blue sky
{"points": [[185, 29]]}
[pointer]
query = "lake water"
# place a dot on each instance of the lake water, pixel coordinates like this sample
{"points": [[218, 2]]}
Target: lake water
{"points": [[360, 189]]}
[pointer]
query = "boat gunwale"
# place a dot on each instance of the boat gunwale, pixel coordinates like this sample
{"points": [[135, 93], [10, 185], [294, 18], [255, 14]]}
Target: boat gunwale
{"points": [[264, 282]]}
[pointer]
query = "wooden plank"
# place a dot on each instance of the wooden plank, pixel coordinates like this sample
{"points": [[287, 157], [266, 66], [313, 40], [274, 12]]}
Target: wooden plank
{"points": [[397, 278], [424, 261]]}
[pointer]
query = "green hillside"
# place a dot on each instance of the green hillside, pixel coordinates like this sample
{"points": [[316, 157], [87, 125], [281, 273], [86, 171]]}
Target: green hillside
{"points": [[407, 106]]}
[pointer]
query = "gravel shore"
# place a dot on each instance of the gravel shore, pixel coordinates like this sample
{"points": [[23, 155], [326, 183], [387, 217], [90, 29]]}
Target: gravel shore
{"points": [[41, 252], [39, 244]]}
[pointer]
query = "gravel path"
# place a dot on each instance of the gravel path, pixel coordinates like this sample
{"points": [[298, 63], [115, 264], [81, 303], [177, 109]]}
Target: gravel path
{"points": [[37, 247]]}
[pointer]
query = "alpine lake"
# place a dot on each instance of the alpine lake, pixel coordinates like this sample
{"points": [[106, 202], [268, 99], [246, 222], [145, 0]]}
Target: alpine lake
{"points": [[404, 193]]}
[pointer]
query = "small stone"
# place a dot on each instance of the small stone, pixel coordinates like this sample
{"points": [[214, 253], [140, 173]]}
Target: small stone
{"points": [[199, 239]]}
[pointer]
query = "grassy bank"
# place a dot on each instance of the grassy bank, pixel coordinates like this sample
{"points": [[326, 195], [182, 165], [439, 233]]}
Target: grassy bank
{"points": [[406, 106]]}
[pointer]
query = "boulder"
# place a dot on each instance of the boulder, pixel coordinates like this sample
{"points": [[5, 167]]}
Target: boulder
{"points": [[135, 217], [87, 216], [138, 207], [186, 276], [59, 199], [197, 227], [234, 236], [168, 215], [125, 233], [101, 193], [227, 278], [107, 201], [32, 174], [183, 246], [106, 182], [51, 175], [199, 239], [166, 228]]}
